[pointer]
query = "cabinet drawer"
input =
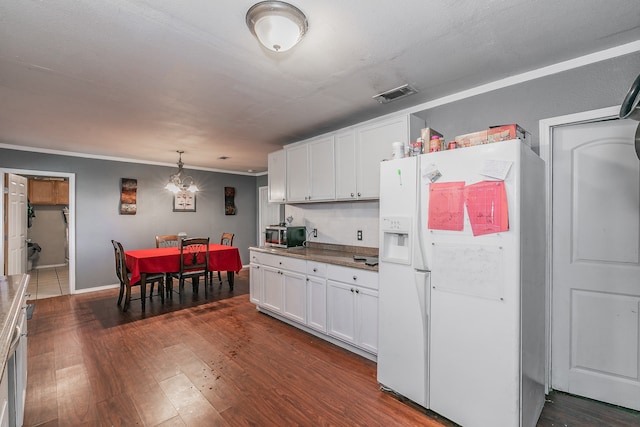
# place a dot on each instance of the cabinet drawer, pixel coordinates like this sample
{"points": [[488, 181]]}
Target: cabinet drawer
{"points": [[255, 257], [285, 263], [354, 276], [315, 268]]}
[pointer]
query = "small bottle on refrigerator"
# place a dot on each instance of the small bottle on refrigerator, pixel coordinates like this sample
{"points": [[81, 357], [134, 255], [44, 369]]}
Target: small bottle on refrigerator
{"points": [[435, 144]]}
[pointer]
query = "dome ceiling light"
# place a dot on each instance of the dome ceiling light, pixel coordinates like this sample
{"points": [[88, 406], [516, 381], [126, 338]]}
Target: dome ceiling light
{"points": [[277, 25]]}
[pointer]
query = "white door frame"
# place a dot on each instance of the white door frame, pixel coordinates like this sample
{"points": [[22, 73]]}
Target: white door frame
{"points": [[72, 215], [546, 127]]}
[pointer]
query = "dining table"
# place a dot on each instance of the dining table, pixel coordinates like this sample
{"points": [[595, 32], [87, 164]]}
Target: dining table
{"points": [[141, 262]]}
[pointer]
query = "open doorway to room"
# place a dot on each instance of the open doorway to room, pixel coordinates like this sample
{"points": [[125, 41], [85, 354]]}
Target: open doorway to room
{"points": [[50, 232]]}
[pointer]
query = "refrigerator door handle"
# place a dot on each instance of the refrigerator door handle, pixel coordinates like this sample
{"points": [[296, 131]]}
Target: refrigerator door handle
{"points": [[419, 257], [421, 281]]}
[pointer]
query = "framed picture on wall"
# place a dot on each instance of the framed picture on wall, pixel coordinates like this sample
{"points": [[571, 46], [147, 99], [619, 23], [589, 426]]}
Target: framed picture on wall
{"points": [[184, 201]]}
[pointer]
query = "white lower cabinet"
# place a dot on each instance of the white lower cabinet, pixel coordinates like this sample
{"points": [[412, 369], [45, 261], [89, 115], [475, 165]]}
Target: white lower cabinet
{"points": [[295, 296], [272, 288], [317, 296], [284, 286], [337, 301], [255, 282], [352, 302]]}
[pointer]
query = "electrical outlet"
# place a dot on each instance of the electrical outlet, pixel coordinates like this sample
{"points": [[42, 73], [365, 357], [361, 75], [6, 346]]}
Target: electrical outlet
{"points": [[315, 232], [359, 234]]}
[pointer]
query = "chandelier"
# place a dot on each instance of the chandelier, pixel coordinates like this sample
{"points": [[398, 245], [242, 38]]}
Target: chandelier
{"points": [[180, 181]]}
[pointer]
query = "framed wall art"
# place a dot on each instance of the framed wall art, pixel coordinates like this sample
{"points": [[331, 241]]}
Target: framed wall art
{"points": [[184, 201], [128, 196], [229, 204]]}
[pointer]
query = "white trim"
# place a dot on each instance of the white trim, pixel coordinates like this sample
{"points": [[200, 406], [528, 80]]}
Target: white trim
{"points": [[546, 127], [72, 215]]}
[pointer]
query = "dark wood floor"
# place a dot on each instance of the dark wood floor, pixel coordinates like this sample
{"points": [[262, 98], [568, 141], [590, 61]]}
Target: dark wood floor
{"points": [[213, 360]]}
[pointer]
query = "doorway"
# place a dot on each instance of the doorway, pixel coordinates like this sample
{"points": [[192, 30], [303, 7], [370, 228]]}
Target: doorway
{"points": [[593, 191], [54, 276]]}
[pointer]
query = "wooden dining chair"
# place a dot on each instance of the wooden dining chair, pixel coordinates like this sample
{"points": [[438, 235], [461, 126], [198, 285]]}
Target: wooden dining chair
{"points": [[167, 241], [227, 240], [123, 275], [194, 262]]}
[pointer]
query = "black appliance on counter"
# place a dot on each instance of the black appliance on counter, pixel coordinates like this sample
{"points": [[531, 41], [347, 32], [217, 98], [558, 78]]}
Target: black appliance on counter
{"points": [[282, 236]]}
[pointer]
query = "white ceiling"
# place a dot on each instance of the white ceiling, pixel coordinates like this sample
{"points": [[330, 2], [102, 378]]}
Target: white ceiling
{"points": [[141, 79]]}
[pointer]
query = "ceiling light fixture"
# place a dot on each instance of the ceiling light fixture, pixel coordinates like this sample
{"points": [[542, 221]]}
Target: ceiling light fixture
{"points": [[178, 182], [276, 24]]}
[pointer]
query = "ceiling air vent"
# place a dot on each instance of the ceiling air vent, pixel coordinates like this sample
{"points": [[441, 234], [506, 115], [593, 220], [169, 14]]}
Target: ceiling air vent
{"points": [[393, 94]]}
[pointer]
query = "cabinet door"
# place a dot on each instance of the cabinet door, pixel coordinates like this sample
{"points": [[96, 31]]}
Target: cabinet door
{"points": [[345, 154], [367, 319], [373, 145], [341, 311], [322, 178], [41, 192], [277, 176], [295, 296], [297, 174], [272, 288], [62, 192], [317, 303], [255, 283]]}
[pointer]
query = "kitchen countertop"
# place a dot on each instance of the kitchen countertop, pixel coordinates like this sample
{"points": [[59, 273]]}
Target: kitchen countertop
{"points": [[325, 252], [12, 291]]}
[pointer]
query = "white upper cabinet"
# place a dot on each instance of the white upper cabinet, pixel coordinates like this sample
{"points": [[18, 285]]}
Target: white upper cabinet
{"points": [[344, 165], [373, 145], [298, 174], [277, 176], [346, 187], [311, 171]]}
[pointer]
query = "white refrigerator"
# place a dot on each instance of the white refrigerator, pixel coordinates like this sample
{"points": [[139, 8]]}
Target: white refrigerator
{"points": [[462, 283]]}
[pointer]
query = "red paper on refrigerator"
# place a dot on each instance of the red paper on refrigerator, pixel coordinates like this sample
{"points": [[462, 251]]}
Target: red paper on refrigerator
{"points": [[487, 207], [446, 206]]}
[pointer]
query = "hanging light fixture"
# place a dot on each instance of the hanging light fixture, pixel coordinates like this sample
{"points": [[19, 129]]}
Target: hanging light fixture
{"points": [[180, 182], [276, 24]]}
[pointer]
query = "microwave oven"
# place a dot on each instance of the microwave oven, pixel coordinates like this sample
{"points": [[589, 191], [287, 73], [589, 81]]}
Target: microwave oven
{"points": [[285, 237]]}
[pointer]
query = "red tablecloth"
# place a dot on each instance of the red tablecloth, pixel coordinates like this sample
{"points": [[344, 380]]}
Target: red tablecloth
{"points": [[167, 260]]}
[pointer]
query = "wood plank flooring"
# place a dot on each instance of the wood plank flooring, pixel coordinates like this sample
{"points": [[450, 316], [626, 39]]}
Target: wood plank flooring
{"points": [[213, 360]]}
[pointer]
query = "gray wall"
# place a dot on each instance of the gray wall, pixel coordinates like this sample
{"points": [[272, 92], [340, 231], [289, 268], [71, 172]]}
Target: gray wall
{"points": [[97, 208], [598, 85]]}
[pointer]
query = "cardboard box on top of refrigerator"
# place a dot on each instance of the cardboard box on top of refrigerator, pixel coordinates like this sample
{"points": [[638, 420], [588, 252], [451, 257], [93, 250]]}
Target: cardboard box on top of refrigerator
{"points": [[471, 139], [493, 134], [506, 132], [427, 133]]}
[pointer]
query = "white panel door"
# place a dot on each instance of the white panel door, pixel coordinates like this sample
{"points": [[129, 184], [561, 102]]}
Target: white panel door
{"points": [[596, 264], [17, 226]]}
